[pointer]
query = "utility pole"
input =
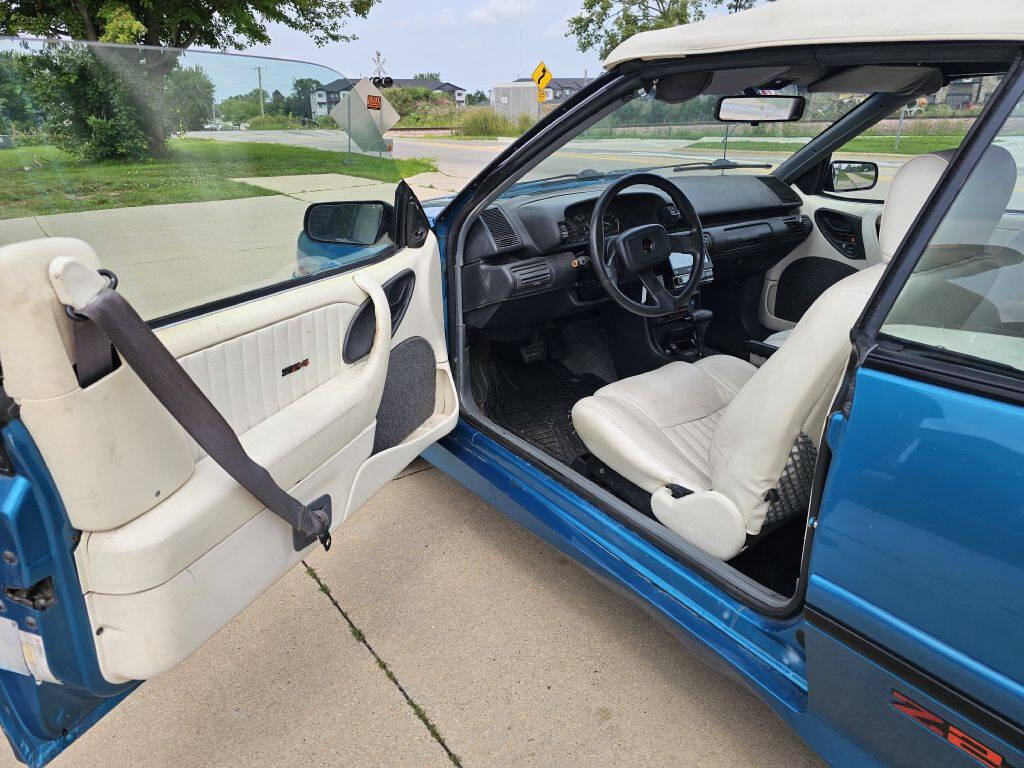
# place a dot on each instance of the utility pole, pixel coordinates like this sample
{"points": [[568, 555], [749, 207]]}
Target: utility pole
{"points": [[259, 79]]}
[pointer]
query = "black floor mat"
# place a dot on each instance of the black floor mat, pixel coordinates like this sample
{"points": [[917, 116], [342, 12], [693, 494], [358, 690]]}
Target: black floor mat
{"points": [[534, 401]]}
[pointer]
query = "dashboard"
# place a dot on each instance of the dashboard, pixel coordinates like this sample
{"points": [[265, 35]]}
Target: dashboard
{"points": [[527, 257]]}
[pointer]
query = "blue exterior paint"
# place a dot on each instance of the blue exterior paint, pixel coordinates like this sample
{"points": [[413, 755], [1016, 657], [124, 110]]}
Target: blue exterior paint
{"points": [[854, 693], [41, 720], [920, 542], [762, 654]]}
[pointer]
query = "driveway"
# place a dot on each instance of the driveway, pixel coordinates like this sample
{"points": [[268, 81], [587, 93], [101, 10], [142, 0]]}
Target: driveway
{"points": [[512, 654]]}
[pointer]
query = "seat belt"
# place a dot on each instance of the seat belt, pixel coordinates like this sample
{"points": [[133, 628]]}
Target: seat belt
{"points": [[109, 319]]}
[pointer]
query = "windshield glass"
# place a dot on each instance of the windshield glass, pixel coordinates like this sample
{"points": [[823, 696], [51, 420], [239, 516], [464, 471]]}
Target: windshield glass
{"points": [[647, 133]]}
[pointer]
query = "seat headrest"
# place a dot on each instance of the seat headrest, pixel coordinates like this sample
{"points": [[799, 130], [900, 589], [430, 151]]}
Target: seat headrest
{"points": [[986, 198]]}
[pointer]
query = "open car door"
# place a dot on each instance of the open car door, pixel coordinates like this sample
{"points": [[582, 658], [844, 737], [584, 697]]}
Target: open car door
{"points": [[914, 598], [131, 525]]}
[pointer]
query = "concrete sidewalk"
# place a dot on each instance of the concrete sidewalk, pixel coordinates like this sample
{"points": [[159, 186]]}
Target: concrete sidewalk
{"points": [[174, 256], [513, 653]]}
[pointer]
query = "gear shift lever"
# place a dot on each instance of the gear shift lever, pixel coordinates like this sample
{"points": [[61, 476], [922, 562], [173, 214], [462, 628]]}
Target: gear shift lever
{"points": [[701, 319]]}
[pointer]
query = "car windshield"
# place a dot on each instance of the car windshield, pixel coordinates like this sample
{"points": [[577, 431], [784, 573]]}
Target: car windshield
{"points": [[648, 134]]}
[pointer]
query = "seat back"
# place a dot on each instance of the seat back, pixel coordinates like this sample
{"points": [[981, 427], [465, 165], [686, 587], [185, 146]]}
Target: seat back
{"points": [[763, 451]]}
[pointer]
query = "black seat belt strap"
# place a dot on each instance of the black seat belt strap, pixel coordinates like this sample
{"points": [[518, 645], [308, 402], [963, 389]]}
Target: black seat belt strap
{"points": [[113, 317]]}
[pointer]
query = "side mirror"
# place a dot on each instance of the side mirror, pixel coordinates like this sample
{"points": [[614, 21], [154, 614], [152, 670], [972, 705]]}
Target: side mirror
{"points": [[760, 109], [851, 176], [348, 223]]}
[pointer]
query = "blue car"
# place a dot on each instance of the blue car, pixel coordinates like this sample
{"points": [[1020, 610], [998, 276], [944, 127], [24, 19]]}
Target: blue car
{"points": [[764, 375]]}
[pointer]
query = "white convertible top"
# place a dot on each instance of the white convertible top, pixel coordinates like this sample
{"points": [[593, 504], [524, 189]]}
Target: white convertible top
{"points": [[823, 22]]}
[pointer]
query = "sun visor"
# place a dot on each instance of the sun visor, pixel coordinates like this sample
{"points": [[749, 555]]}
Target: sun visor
{"points": [[726, 82], [687, 85], [881, 79], [682, 87]]}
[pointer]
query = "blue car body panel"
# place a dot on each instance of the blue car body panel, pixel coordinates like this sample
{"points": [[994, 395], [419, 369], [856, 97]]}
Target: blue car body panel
{"points": [[920, 543], [40, 720]]}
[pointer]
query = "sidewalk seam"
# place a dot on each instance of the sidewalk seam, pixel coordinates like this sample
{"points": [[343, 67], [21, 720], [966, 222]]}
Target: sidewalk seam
{"points": [[361, 638]]}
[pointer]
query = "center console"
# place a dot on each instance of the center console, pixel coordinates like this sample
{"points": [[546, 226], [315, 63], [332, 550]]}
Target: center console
{"points": [[680, 335]]}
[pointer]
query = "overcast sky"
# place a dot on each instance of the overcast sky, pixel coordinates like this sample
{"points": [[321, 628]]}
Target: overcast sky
{"points": [[472, 43]]}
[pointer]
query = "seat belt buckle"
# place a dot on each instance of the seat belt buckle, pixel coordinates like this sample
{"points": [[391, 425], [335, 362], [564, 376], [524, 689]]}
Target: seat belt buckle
{"points": [[321, 509]]}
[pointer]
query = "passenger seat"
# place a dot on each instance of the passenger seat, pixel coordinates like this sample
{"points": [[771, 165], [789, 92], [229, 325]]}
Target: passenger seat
{"points": [[913, 185]]}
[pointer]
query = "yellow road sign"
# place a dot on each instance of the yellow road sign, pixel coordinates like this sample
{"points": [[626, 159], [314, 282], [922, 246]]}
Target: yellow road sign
{"points": [[541, 75], [541, 96]]}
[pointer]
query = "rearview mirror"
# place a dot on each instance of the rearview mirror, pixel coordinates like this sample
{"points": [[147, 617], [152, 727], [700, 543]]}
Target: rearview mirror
{"points": [[851, 176], [350, 223], [759, 109]]}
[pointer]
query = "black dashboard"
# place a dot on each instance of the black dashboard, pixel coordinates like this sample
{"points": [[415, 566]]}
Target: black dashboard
{"points": [[526, 258]]}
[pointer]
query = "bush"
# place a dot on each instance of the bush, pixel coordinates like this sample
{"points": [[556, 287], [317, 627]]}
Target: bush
{"points": [[484, 121], [95, 110], [408, 100], [274, 123], [422, 108]]}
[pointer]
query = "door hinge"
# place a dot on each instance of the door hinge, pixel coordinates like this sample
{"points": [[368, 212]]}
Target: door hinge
{"points": [[38, 597]]}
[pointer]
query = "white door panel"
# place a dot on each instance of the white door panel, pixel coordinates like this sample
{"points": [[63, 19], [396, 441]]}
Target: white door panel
{"points": [[818, 246], [172, 547]]}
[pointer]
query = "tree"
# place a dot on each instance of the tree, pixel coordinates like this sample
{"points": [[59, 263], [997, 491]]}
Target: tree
{"points": [[427, 76], [297, 102], [603, 24], [241, 108], [17, 110], [224, 24], [476, 98], [188, 96], [278, 104]]}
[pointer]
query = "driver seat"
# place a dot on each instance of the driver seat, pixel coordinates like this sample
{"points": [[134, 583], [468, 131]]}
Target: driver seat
{"points": [[728, 450]]}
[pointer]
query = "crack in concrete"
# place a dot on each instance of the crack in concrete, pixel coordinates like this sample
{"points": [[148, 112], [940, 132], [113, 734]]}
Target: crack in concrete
{"points": [[361, 638]]}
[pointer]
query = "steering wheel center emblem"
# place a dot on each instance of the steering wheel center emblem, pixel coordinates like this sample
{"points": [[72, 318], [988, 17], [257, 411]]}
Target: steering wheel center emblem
{"points": [[647, 245]]}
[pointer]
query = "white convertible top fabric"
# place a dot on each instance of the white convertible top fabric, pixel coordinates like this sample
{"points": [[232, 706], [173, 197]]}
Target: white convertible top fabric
{"points": [[824, 22]]}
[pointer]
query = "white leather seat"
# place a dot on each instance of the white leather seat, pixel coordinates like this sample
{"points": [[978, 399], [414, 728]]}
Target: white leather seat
{"points": [[742, 439]]}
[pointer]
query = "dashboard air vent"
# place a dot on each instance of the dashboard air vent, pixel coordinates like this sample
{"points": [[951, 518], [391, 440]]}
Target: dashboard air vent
{"points": [[535, 274], [782, 190], [501, 230]]}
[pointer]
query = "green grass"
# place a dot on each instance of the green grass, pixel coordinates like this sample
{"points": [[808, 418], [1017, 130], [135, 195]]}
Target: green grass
{"points": [[909, 145], [42, 180], [878, 145]]}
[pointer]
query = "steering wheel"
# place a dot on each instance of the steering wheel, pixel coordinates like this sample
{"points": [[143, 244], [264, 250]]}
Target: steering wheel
{"points": [[640, 251]]}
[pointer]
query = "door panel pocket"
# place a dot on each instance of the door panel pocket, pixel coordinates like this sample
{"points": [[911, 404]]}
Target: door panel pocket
{"points": [[409, 392], [805, 280]]}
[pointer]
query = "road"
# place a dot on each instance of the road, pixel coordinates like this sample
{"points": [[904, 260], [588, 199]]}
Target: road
{"points": [[464, 158]]}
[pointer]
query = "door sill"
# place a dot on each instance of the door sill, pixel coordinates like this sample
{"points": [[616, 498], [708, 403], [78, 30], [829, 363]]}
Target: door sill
{"points": [[739, 586]]}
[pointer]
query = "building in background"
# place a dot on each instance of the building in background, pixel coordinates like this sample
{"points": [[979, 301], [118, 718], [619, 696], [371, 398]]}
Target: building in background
{"points": [[520, 97], [968, 92], [560, 88], [456, 92], [323, 100]]}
